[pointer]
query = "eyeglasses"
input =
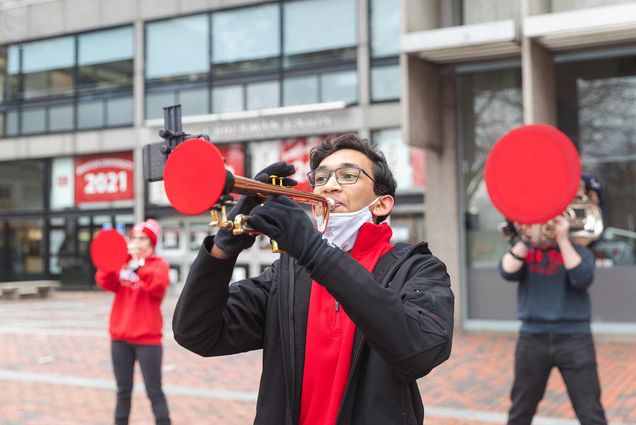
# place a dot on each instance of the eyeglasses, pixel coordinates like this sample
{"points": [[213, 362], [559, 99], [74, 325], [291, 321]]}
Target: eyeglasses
{"points": [[344, 175]]}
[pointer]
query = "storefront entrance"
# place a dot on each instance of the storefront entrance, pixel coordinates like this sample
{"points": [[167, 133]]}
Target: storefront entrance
{"points": [[55, 248], [69, 245], [21, 249]]}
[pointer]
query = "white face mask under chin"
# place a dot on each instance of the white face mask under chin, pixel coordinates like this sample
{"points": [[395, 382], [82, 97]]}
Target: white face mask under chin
{"points": [[342, 229]]}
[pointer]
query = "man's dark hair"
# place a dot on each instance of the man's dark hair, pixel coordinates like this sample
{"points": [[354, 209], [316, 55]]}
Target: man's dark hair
{"points": [[385, 183]]}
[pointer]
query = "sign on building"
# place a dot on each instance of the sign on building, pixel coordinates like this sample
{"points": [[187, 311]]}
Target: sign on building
{"points": [[104, 178]]}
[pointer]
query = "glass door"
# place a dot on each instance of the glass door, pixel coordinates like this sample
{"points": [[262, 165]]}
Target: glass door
{"points": [[22, 249]]}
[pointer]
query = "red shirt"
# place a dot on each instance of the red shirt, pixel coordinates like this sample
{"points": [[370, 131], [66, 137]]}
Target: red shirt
{"points": [[330, 336], [136, 313]]}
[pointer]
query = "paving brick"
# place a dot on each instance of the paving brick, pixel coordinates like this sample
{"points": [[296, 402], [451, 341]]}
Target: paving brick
{"points": [[55, 369]]}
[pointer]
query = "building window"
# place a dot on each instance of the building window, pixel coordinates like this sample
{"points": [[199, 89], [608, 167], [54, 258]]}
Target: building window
{"points": [[47, 67], [105, 59], [408, 163], [178, 48], [490, 105], [330, 34], [300, 90], [596, 101], [385, 48], [227, 99], [22, 186], [246, 39], [565, 5], [194, 101], [47, 81], [155, 101], [385, 82], [3, 74], [261, 95], [339, 86], [385, 28], [239, 57]]}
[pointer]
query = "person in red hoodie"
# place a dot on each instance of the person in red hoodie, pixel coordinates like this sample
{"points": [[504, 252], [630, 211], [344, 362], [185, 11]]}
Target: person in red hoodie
{"points": [[136, 322], [347, 321]]}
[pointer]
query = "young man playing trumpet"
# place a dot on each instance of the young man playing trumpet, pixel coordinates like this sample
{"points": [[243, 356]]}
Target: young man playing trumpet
{"points": [[347, 321], [554, 275]]}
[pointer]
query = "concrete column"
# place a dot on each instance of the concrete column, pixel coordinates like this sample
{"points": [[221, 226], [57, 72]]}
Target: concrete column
{"points": [[538, 84], [538, 73], [138, 107], [443, 191], [418, 15], [138, 74], [364, 67], [420, 80], [420, 103], [535, 7], [429, 121]]}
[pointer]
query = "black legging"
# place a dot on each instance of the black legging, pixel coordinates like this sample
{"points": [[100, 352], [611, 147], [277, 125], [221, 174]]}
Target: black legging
{"points": [[149, 356]]}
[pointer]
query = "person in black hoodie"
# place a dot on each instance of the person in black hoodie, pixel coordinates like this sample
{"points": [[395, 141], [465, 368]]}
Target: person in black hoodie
{"points": [[554, 307], [347, 321]]}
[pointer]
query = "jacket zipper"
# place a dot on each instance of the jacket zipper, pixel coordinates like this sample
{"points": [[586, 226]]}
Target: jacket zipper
{"points": [[292, 354]]}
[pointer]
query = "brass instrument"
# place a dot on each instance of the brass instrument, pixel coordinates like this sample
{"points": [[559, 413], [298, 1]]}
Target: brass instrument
{"points": [[530, 201], [584, 216], [196, 181], [245, 186]]}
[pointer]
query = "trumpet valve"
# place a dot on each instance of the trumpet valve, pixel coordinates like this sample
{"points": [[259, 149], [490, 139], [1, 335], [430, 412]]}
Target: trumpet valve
{"points": [[275, 248], [276, 180], [240, 225], [220, 221]]}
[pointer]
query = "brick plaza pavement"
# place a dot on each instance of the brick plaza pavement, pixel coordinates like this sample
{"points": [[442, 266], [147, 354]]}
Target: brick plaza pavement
{"points": [[55, 369]]}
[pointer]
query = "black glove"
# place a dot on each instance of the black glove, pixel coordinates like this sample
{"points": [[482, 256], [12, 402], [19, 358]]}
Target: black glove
{"points": [[511, 233], [233, 245], [284, 221]]}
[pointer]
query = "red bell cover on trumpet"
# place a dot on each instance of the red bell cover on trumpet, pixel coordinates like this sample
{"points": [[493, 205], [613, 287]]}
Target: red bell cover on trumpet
{"points": [[532, 173], [194, 176]]}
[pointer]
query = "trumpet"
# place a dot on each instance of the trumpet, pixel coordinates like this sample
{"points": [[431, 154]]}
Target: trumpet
{"points": [[245, 186], [196, 181]]}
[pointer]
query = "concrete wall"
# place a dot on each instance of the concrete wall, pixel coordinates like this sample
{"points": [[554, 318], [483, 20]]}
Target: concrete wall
{"points": [[29, 19]]}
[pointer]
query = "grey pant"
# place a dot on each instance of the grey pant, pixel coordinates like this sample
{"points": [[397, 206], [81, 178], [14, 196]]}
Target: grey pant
{"points": [[149, 356]]}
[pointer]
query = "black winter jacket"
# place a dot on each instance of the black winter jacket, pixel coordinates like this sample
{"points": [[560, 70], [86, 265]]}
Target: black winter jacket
{"points": [[404, 327]]}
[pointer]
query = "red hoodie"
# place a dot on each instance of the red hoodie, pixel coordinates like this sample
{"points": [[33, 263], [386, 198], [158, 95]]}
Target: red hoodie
{"points": [[330, 336], [136, 314]]}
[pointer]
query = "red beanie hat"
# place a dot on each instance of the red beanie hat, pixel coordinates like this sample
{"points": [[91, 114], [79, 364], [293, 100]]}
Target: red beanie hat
{"points": [[150, 228]]}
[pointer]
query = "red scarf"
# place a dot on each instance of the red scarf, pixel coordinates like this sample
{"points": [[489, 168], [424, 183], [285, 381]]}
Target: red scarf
{"points": [[330, 336]]}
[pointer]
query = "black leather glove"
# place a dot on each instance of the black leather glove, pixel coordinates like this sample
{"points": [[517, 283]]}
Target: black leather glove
{"points": [[284, 221], [233, 245]]}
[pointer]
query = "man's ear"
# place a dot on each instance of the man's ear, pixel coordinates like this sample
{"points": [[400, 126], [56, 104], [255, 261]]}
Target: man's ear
{"points": [[383, 206]]}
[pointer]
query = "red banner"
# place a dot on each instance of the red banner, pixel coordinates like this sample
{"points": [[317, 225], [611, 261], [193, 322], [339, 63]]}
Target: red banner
{"points": [[418, 163], [296, 152], [103, 178], [234, 157]]}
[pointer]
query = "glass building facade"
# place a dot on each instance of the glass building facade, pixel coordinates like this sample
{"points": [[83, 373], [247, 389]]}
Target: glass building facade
{"points": [[81, 97], [67, 83]]}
